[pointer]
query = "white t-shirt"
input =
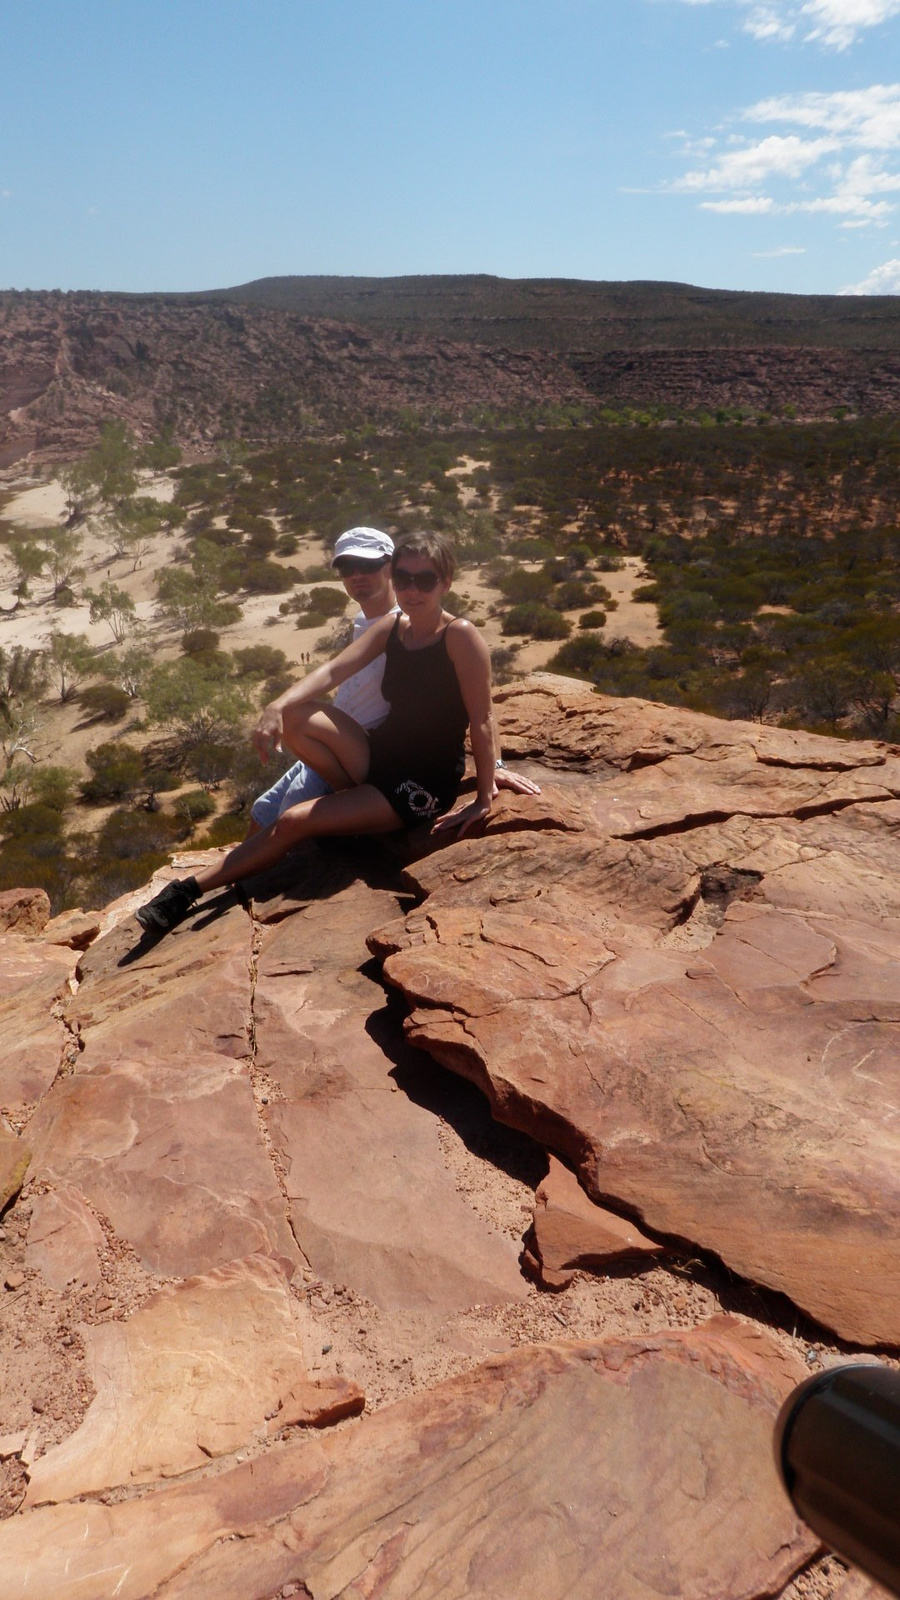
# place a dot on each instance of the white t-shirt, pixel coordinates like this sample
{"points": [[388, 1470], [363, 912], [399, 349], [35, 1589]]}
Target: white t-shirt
{"points": [[360, 696]]}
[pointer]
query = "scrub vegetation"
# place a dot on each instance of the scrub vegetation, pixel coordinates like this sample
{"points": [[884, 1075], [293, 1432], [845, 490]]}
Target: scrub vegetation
{"points": [[770, 551]]}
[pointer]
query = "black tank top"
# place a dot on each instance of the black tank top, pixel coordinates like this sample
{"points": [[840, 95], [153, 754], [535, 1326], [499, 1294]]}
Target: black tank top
{"points": [[428, 717]]}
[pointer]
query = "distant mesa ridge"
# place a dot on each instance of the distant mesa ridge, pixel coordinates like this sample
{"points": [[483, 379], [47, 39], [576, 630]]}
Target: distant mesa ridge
{"points": [[273, 359]]}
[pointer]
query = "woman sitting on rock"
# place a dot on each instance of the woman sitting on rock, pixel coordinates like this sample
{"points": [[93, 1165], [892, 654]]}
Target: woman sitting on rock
{"points": [[437, 680]]}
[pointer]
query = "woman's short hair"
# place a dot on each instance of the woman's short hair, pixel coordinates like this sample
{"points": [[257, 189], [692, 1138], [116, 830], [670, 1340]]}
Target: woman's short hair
{"points": [[435, 546]]}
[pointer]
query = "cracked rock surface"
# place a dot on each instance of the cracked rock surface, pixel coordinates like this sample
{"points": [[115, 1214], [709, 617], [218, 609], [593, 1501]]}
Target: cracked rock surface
{"points": [[266, 1184]]}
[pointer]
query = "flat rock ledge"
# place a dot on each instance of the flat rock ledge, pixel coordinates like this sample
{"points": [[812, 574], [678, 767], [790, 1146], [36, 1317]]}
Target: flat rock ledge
{"points": [[629, 1468], [273, 1275]]}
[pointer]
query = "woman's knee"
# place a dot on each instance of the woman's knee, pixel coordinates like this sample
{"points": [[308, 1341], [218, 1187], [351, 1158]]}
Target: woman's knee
{"points": [[297, 719], [291, 825]]}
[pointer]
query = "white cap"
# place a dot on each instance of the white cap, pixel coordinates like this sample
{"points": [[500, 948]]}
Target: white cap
{"points": [[369, 544]]}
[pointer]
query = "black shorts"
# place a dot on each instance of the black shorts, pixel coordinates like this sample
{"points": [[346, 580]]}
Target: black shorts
{"points": [[416, 797]]}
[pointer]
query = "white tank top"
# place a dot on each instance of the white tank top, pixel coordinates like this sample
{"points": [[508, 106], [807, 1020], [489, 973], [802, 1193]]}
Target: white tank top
{"points": [[361, 696]]}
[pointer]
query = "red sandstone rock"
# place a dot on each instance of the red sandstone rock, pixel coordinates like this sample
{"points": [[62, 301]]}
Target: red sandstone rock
{"points": [[642, 1464], [170, 1153], [187, 994], [193, 1374], [33, 981], [569, 1231], [24, 911], [372, 1205], [733, 1084], [15, 1156], [77, 929], [64, 1239]]}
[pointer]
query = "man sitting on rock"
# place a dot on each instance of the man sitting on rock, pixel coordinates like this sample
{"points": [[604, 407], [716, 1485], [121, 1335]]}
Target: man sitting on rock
{"points": [[362, 559]]}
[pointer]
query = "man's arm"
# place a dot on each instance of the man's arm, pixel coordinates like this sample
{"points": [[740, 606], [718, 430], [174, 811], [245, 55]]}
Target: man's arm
{"points": [[269, 730]]}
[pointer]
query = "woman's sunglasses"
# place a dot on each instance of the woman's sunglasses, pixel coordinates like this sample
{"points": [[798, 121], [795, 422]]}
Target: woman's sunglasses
{"points": [[423, 581], [348, 565]]}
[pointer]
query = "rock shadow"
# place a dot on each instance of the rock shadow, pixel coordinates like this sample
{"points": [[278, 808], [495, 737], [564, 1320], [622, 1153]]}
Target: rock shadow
{"points": [[446, 1095]]}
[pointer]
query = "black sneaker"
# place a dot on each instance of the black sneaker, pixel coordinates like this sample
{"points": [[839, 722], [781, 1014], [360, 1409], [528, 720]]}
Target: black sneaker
{"points": [[170, 905]]}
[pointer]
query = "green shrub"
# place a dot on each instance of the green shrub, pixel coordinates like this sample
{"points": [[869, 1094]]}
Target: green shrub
{"points": [[530, 549], [195, 806], [265, 577], [200, 641], [53, 786], [581, 655], [260, 661], [503, 662], [105, 702], [592, 619], [573, 594], [536, 620], [227, 829], [117, 770], [519, 585]]}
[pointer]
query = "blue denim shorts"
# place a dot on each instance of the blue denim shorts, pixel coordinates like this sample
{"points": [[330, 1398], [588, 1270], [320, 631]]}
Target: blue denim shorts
{"points": [[300, 782]]}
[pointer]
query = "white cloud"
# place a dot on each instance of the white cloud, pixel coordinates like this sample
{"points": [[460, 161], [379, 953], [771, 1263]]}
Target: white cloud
{"points": [[881, 280], [783, 156], [849, 169], [752, 205], [769, 22], [867, 117], [836, 24], [783, 250]]}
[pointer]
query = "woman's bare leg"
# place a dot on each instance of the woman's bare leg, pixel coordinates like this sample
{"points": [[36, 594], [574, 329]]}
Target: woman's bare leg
{"points": [[329, 741], [361, 809]]}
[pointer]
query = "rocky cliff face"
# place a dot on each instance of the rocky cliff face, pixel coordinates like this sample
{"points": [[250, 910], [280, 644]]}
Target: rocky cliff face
{"points": [[246, 1199], [213, 368], [759, 379], [68, 362]]}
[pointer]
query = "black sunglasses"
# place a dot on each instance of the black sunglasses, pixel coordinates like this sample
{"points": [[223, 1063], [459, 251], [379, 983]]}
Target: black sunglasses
{"points": [[423, 581], [347, 565]]}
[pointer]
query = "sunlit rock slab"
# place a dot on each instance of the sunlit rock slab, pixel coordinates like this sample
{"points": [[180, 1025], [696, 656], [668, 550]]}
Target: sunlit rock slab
{"points": [[195, 1373], [569, 1231], [166, 998], [34, 984], [628, 1467], [171, 1152], [372, 1204]]}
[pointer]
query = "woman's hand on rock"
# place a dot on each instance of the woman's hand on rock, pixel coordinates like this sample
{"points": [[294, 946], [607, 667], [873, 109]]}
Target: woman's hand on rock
{"points": [[465, 818], [516, 782]]}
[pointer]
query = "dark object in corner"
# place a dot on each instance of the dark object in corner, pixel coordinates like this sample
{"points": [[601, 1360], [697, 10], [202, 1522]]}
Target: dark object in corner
{"points": [[837, 1447]]}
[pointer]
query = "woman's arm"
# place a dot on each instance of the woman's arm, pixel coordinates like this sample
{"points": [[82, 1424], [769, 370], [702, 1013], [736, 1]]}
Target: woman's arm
{"points": [[471, 659], [267, 734]]}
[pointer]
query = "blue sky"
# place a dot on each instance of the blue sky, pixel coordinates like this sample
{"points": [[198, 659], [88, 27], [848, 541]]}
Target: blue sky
{"points": [[188, 144]]}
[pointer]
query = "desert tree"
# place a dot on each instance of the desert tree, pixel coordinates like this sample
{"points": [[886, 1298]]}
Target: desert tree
{"points": [[69, 660], [202, 706], [132, 527], [129, 668], [114, 606], [62, 558], [23, 679], [190, 601], [111, 464], [77, 484], [29, 561]]}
